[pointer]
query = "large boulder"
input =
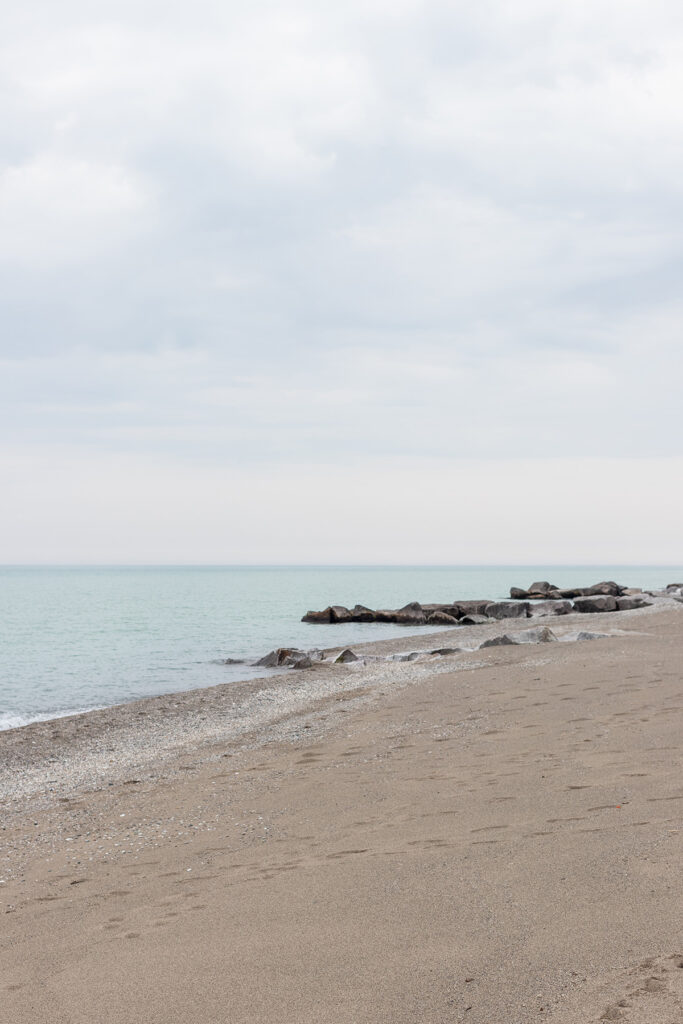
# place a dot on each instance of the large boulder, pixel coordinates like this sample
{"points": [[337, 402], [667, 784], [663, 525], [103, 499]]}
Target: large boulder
{"points": [[473, 620], [441, 619], [608, 587], [497, 641], [346, 657], [627, 604], [517, 594], [596, 603], [323, 616], [541, 608], [289, 657], [359, 613], [539, 635], [541, 587], [474, 607], [338, 613], [450, 609], [410, 614], [507, 610]]}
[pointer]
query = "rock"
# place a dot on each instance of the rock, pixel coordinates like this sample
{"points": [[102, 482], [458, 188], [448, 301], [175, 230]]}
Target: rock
{"points": [[541, 608], [582, 635], [541, 587], [231, 661], [473, 620], [346, 657], [477, 607], [338, 613], [298, 660], [507, 610], [280, 656], [539, 635], [632, 591], [669, 586], [572, 592], [517, 594], [412, 656], [362, 614], [445, 651], [410, 615], [323, 616], [441, 619], [607, 587], [448, 609], [597, 603], [497, 641], [627, 604]]}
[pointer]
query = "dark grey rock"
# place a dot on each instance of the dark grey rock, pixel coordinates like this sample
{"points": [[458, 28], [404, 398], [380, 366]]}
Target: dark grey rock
{"points": [[606, 587], [474, 607], [507, 610], [543, 608], [626, 604], [359, 613], [338, 613], [473, 620], [498, 641], [324, 616], [596, 603], [539, 635], [441, 619], [346, 657], [280, 656], [410, 615], [541, 587], [517, 594], [445, 651]]}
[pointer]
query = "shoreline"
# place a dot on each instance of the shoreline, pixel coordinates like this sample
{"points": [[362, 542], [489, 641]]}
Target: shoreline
{"points": [[494, 835], [74, 750]]}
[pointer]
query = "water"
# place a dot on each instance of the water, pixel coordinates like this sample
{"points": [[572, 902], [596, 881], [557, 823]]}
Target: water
{"points": [[75, 638]]}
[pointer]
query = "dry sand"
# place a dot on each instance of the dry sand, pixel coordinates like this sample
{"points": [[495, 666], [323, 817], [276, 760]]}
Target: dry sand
{"points": [[495, 839]]}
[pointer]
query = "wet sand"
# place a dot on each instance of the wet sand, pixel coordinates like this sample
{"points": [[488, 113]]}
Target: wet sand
{"points": [[492, 839]]}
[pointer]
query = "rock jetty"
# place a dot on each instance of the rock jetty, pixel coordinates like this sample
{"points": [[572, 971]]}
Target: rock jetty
{"points": [[541, 598]]}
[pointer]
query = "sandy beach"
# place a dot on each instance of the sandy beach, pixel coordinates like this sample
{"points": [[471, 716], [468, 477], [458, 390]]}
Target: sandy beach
{"points": [[488, 837]]}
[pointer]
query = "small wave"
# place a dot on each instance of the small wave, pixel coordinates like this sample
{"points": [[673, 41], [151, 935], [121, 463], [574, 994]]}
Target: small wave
{"points": [[12, 720]]}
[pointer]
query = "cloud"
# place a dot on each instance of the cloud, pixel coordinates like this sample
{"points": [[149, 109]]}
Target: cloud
{"points": [[280, 236]]}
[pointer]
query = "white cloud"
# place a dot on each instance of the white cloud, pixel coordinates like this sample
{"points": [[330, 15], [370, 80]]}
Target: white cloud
{"points": [[241, 235], [55, 210]]}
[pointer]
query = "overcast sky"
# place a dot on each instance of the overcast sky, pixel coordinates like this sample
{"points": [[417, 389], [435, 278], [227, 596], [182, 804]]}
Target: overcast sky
{"points": [[380, 281]]}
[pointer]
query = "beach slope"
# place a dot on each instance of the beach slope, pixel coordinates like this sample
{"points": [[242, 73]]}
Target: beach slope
{"points": [[496, 844]]}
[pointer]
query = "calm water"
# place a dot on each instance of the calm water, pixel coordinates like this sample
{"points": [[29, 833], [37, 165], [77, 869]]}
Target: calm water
{"points": [[77, 638]]}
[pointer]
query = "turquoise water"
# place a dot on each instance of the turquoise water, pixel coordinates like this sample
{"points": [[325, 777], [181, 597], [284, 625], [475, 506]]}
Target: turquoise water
{"points": [[75, 638]]}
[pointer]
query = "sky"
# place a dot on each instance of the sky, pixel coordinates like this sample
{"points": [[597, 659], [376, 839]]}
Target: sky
{"points": [[372, 282]]}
